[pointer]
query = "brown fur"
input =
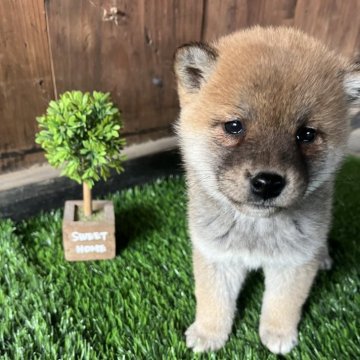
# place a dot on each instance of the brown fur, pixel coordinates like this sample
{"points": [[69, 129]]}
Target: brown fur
{"points": [[275, 81], [257, 77]]}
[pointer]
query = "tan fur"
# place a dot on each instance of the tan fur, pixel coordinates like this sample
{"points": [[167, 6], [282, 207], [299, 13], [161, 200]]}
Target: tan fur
{"points": [[275, 81], [302, 61], [214, 312], [285, 293]]}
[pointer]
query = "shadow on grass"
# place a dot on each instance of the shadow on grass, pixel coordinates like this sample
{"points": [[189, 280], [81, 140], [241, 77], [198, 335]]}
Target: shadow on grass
{"points": [[250, 292], [134, 224]]}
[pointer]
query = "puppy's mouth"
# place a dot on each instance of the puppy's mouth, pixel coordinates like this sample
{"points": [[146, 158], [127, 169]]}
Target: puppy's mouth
{"points": [[258, 210], [262, 210]]}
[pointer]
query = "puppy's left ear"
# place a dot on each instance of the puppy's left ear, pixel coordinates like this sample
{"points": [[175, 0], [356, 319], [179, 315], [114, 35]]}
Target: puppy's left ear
{"points": [[193, 66], [352, 87]]}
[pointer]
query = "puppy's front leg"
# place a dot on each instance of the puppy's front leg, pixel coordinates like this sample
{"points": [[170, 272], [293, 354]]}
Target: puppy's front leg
{"points": [[286, 290], [216, 289]]}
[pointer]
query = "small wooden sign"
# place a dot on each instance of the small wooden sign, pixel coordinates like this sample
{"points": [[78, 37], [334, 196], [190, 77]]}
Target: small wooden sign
{"points": [[89, 240]]}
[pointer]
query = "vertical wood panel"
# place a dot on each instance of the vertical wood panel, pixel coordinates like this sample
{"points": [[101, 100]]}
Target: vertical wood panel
{"points": [[130, 55], [335, 22], [275, 12], [225, 16], [25, 79]]}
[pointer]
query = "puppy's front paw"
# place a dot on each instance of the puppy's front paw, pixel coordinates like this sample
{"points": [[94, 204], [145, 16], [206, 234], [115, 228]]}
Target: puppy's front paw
{"points": [[277, 340], [201, 340]]}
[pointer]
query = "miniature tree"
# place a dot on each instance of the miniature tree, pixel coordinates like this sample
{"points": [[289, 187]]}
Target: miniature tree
{"points": [[80, 135]]}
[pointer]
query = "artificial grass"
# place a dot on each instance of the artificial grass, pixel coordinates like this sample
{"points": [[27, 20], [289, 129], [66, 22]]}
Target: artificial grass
{"points": [[139, 305]]}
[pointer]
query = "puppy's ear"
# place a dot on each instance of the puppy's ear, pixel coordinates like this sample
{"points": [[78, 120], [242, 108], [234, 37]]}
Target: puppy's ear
{"points": [[352, 87], [193, 65]]}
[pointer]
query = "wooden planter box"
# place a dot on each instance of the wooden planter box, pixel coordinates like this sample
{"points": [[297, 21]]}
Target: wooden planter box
{"points": [[89, 240]]}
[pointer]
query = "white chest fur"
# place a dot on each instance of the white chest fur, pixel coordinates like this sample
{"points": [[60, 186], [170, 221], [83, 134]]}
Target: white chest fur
{"points": [[282, 239]]}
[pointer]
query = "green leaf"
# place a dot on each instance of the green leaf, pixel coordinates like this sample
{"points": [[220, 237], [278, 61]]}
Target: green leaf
{"points": [[80, 132]]}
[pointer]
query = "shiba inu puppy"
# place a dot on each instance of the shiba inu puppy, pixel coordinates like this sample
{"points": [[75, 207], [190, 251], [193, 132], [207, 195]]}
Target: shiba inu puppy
{"points": [[263, 128]]}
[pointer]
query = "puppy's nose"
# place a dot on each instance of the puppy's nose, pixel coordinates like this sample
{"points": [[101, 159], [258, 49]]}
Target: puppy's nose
{"points": [[267, 185]]}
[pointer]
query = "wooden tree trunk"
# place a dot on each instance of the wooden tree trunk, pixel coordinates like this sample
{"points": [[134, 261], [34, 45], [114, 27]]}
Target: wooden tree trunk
{"points": [[87, 199]]}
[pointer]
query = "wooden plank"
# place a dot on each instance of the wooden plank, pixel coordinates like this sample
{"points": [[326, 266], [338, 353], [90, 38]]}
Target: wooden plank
{"points": [[335, 22], [25, 79], [225, 16], [275, 12], [125, 47]]}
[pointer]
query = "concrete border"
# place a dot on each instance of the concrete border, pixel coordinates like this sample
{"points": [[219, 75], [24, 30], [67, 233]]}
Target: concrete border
{"points": [[49, 191], [42, 173]]}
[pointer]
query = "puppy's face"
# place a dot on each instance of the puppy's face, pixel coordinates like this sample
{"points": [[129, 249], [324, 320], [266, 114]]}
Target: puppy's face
{"points": [[263, 120]]}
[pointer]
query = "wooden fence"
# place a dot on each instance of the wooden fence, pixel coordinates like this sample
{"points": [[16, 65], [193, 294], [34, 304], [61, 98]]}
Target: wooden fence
{"points": [[126, 47]]}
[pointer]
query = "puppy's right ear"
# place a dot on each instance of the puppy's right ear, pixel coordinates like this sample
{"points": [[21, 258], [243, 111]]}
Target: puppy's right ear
{"points": [[193, 65], [352, 87]]}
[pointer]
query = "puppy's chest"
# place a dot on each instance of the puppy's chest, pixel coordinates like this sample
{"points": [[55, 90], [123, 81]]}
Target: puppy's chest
{"points": [[256, 240], [249, 232]]}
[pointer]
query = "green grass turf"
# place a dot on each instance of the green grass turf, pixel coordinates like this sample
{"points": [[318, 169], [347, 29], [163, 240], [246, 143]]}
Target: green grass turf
{"points": [[139, 305]]}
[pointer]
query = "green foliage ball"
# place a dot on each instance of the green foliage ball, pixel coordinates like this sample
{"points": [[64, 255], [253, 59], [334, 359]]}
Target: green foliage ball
{"points": [[80, 135]]}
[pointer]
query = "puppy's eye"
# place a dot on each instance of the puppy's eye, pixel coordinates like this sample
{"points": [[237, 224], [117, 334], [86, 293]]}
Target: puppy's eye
{"points": [[233, 127], [306, 135]]}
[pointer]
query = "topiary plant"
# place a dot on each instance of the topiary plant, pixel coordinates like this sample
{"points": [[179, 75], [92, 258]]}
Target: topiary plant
{"points": [[80, 135]]}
